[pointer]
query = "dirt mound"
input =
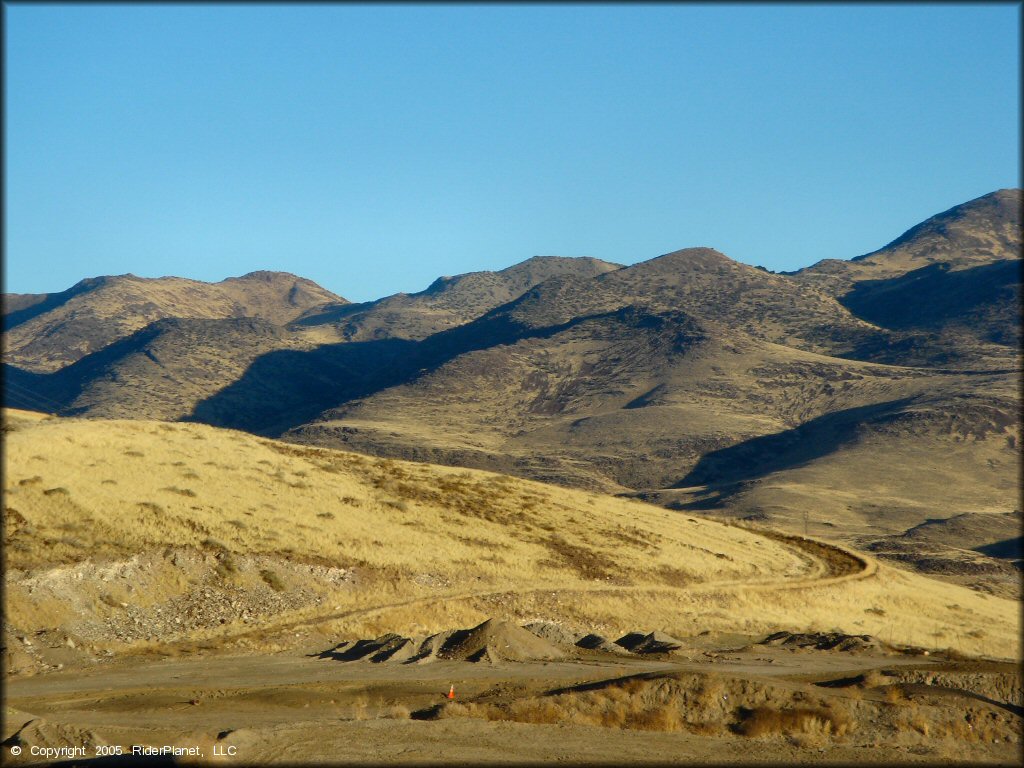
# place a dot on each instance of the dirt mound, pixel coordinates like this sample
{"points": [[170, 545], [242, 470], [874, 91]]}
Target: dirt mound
{"points": [[553, 633], [594, 642], [389, 647], [498, 641], [493, 642], [831, 641], [653, 642]]}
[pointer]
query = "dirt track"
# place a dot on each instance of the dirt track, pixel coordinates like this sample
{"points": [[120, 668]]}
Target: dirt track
{"points": [[827, 564], [293, 707]]}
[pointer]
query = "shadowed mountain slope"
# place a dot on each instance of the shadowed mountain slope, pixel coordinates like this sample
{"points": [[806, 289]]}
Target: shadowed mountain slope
{"points": [[60, 328], [982, 301], [159, 371], [975, 549], [448, 301], [708, 286], [632, 399], [947, 291]]}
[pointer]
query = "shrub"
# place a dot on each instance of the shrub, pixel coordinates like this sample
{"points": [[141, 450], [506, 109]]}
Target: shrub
{"points": [[272, 580], [802, 721], [227, 565], [894, 694]]}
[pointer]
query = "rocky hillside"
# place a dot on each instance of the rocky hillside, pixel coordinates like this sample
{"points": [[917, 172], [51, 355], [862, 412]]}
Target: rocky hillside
{"points": [[973, 234], [46, 332], [948, 288], [447, 302]]}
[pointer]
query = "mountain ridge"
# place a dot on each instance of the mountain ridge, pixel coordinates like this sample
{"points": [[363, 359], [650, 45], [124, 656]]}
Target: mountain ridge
{"points": [[59, 329], [709, 385]]}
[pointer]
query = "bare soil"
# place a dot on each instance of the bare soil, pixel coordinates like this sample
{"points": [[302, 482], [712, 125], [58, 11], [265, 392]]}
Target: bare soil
{"points": [[721, 699]]}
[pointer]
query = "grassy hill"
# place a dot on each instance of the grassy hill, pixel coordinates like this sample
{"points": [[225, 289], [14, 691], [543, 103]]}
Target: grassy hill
{"points": [[132, 535]]}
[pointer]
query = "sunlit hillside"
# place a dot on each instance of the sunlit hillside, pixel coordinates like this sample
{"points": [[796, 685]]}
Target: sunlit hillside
{"points": [[128, 533]]}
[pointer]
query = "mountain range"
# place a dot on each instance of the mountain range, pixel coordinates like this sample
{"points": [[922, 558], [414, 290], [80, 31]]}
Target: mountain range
{"points": [[861, 398]]}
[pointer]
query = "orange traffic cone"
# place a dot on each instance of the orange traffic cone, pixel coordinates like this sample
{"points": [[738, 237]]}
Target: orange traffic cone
{"points": [[451, 692]]}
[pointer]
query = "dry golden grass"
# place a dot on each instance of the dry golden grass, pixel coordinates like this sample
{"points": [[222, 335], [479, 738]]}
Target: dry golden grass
{"points": [[752, 707], [700, 704], [256, 495], [430, 547]]}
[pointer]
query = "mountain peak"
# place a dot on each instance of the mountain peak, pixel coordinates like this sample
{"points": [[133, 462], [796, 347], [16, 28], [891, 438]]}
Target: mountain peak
{"points": [[685, 260], [993, 219], [267, 276]]}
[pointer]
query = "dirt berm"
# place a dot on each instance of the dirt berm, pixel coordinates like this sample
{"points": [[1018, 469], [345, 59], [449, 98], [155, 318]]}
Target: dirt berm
{"points": [[493, 641]]}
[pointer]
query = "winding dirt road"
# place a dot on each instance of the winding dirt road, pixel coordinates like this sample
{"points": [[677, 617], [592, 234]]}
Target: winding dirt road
{"points": [[827, 564]]}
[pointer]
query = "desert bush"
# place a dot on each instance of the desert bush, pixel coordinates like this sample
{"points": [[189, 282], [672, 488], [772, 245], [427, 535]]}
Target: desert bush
{"points": [[874, 679], [798, 722], [663, 718], [919, 724], [54, 491], [631, 705], [710, 691], [359, 707], [894, 694], [272, 580], [227, 565]]}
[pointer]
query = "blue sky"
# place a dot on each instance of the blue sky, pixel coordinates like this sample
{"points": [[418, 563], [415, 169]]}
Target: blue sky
{"points": [[374, 148]]}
